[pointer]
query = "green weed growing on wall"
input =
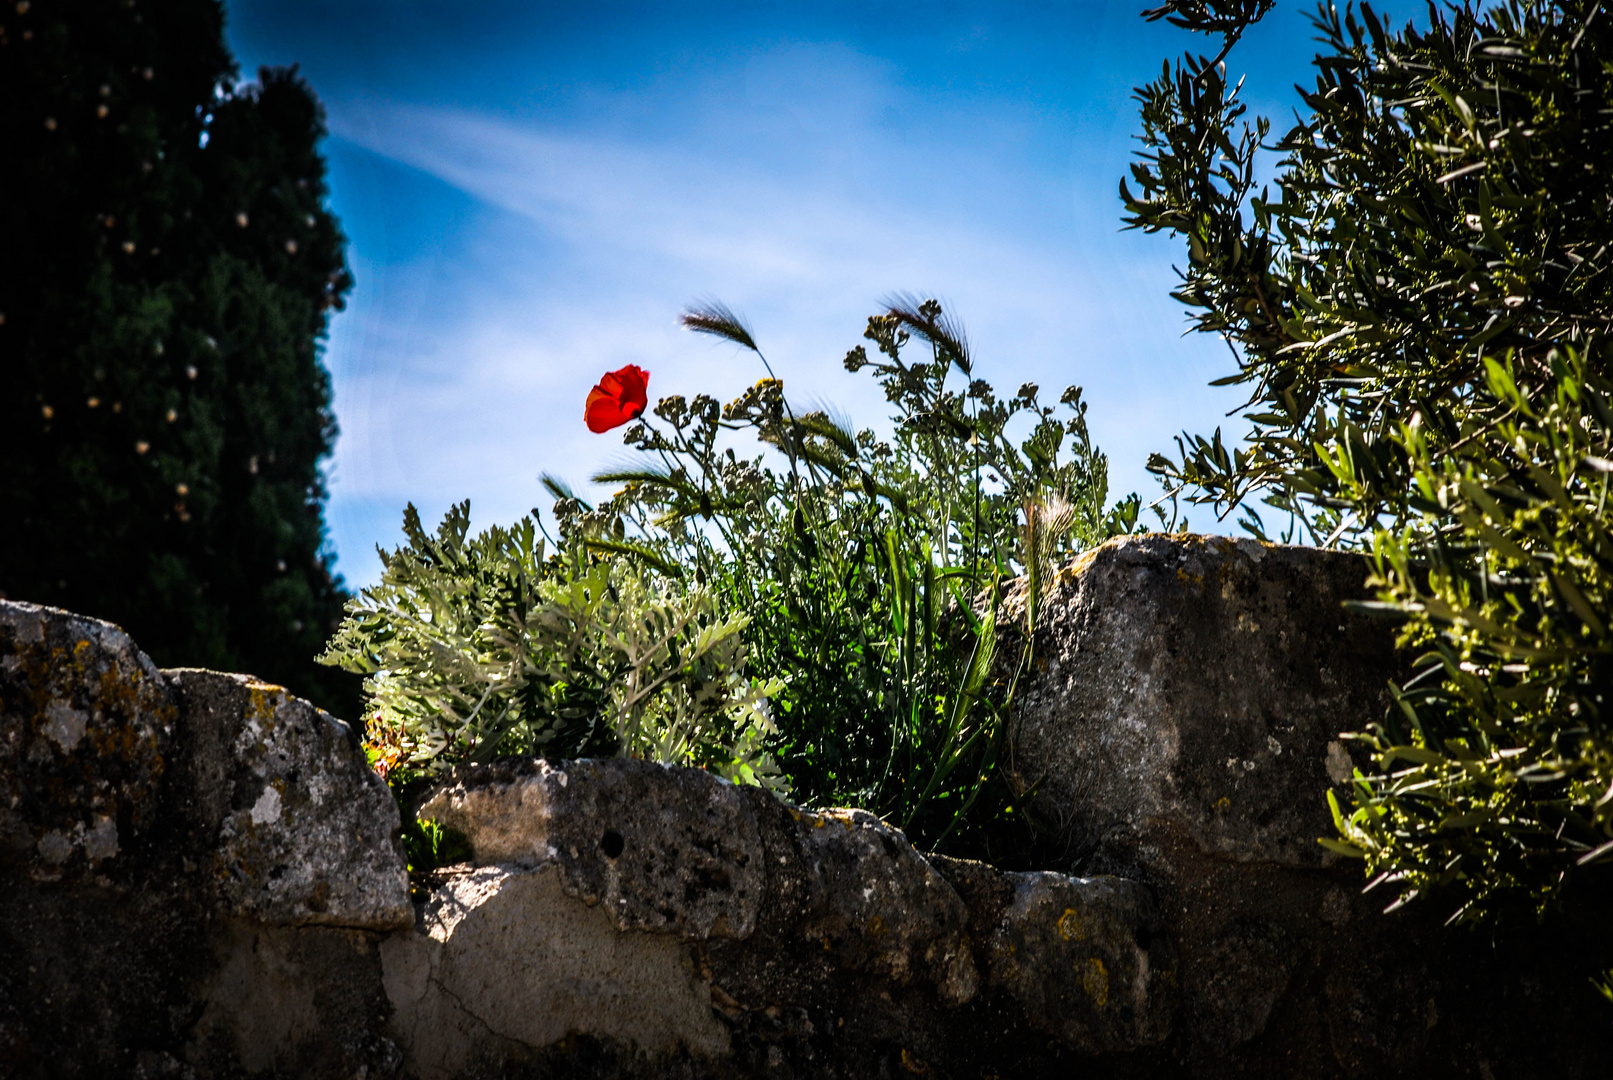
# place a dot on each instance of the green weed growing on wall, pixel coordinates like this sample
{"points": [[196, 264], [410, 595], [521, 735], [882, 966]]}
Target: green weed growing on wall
{"points": [[869, 569], [479, 646], [816, 612]]}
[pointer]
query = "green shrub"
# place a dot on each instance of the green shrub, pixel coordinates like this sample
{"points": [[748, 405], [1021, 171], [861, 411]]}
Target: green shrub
{"points": [[862, 577], [1421, 316], [1496, 774], [872, 570], [474, 647]]}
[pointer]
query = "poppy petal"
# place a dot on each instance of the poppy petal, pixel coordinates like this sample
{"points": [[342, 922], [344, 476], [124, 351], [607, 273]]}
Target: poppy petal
{"points": [[621, 396]]}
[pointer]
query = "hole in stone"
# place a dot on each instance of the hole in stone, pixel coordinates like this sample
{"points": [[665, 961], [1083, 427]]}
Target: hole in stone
{"points": [[612, 843]]}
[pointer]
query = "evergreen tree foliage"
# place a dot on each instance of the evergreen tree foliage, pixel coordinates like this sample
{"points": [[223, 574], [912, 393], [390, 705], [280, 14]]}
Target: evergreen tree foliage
{"points": [[163, 406], [1421, 315]]}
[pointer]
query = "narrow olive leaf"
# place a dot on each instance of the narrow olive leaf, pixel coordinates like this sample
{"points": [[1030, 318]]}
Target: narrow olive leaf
{"points": [[1596, 854], [1379, 608], [1577, 601], [1417, 755], [1338, 814], [1339, 847], [1467, 820], [1465, 170]]}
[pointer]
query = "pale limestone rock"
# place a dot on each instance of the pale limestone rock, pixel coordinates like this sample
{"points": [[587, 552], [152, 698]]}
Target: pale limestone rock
{"points": [[511, 959], [665, 849]]}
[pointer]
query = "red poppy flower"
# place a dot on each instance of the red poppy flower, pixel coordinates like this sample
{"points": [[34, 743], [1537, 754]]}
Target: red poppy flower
{"points": [[619, 397]]}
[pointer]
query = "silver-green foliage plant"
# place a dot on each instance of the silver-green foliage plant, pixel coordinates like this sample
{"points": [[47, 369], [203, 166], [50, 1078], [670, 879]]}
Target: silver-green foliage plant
{"points": [[481, 646]]}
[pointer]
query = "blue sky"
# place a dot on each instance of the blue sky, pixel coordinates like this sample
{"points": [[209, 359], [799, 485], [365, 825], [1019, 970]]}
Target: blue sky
{"points": [[534, 191]]}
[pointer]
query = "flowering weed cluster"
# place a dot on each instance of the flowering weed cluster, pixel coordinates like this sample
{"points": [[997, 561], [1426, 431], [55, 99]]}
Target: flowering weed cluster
{"points": [[820, 617]]}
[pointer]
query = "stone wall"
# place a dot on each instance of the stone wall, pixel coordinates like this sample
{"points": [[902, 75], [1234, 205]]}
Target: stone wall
{"points": [[1181, 731], [205, 881]]}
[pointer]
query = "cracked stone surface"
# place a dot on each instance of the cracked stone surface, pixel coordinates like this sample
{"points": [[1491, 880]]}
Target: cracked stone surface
{"points": [[813, 936], [881, 907], [681, 851], [306, 832], [1197, 686], [687, 855], [86, 723], [511, 960]]}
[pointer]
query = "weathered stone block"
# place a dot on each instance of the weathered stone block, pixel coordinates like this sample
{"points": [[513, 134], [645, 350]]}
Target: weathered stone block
{"points": [[302, 831], [1067, 949], [1083, 960], [1196, 686], [812, 936], [670, 850], [166, 840], [86, 723], [1181, 729], [626, 920], [286, 1001], [511, 962], [879, 906]]}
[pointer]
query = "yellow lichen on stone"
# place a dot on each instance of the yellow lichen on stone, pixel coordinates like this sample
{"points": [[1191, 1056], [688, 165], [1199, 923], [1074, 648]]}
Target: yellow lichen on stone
{"points": [[1070, 928], [914, 1064], [1095, 981], [1077, 566], [844, 817], [264, 700]]}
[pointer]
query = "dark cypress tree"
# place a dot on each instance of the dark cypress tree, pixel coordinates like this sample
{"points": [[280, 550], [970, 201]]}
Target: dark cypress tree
{"points": [[171, 267]]}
